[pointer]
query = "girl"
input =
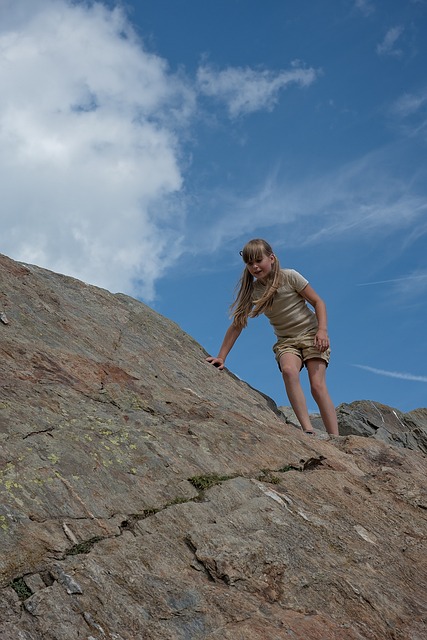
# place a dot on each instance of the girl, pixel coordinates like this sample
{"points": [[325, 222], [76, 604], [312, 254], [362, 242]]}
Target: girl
{"points": [[302, 337]]}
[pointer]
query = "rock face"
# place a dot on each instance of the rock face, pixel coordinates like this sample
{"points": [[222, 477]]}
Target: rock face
{"points": [[375, 420], [384, 423], [146, 495]]}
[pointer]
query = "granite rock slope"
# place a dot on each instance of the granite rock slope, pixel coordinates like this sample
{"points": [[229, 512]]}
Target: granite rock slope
{"points": [[146, 495]]}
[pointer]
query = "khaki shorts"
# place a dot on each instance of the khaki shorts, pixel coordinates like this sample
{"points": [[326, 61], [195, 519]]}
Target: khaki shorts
{"points": [[302, 346]]}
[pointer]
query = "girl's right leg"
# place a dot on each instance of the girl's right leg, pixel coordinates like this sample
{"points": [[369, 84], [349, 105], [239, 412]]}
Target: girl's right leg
{"points": [[290, 365]]}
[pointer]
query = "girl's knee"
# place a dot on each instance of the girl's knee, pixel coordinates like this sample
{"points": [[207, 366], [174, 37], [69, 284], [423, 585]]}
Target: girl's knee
{"points": [[290, 366], [318, 389], [290, 374]]}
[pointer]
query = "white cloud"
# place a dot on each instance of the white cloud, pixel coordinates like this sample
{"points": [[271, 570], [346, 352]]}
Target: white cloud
{"points": [[89, 169], [393, 374], [387, 46], [245, 90]]}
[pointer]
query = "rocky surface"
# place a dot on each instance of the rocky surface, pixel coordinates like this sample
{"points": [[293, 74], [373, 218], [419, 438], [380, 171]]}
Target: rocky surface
{"points": [[375, 420], [146, 495]]}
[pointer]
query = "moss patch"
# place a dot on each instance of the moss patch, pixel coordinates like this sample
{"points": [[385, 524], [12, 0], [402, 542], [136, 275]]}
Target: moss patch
{"points": [[21, 589], [83, 547], [201, 483]]}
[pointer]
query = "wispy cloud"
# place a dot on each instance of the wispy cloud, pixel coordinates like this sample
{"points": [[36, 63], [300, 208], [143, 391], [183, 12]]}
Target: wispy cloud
{"points": [[387, 46], [365, 196], [365, 6], [245, 90], [392, 374], [409, 103], [410, 111]]}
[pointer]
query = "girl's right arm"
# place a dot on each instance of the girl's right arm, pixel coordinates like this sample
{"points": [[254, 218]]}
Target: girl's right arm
{"points": [[230, 338]]}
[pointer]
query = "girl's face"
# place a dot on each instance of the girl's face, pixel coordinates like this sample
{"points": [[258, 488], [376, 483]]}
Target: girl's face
{"points": [[261, 268]]}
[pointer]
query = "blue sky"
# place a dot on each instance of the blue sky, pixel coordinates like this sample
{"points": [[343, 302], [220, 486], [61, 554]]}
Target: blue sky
{"points": [[143, 143]]}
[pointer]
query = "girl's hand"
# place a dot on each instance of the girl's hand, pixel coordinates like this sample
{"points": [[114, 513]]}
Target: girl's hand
{"points": [[217, 362], [321, 340]]}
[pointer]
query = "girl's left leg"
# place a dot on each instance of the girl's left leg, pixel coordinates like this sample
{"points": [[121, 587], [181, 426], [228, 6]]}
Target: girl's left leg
{"points": [[290, 366], [316, 368]]}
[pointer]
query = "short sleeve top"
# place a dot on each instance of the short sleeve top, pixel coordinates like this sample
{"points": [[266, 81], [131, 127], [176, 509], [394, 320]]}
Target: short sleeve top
{"points": [[289, 314]]}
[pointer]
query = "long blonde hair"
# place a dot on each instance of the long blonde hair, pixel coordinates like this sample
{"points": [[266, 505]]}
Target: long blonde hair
{"points": [[244, 305]]}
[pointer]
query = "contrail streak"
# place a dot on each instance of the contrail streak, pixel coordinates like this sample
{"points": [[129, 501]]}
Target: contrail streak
{"points": [[367, 284], [393, 374]]}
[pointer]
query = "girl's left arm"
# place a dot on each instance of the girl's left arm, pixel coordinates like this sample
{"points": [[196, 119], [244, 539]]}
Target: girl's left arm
{"points": [[321, 339]]}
